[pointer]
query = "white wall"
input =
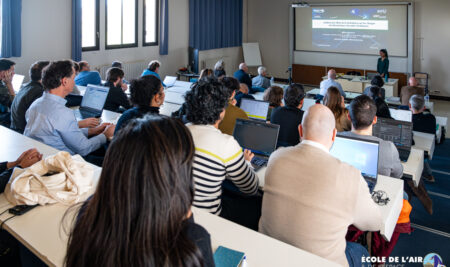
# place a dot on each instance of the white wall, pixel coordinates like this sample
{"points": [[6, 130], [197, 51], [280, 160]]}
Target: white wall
{"points": [[46, 34], [267, 22]]}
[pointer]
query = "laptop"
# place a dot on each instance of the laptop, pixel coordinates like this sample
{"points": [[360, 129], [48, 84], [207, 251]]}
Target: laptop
{"points": [[398, 132], [259, 137], [93, 101], [169, 81], [255, 109], [401, 114], [361, 154], [17, 81]]}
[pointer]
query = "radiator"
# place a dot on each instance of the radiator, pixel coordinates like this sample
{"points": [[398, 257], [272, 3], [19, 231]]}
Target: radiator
{"points": [[131, 69]]}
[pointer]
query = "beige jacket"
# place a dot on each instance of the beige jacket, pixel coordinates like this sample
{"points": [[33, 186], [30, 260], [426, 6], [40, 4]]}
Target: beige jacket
{"points": [[58, 178], [310, 199]]}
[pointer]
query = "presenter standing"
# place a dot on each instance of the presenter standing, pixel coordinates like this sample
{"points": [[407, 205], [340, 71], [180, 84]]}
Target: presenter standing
{"points": [[383, 64]]}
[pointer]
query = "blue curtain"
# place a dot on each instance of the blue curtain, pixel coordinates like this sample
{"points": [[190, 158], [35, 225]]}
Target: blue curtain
{"points": [[164, 28], [215, 23], [11, 28], [76, 30]]}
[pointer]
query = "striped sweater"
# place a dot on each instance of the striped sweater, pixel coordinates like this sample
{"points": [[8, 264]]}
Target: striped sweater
{"points": [[218, 157]]}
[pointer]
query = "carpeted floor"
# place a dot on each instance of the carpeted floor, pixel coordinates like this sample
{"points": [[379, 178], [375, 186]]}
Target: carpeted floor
{"points": [[432, 232]]}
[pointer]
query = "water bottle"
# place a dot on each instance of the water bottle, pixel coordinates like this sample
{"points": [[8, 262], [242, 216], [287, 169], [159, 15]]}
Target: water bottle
{"points": [[272, 81], [427, 98]]}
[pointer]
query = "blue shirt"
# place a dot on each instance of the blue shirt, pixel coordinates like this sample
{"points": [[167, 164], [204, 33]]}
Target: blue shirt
{"points": [[261, 81], [149, 72], [88, 77], [49, 121], [324, 85]]}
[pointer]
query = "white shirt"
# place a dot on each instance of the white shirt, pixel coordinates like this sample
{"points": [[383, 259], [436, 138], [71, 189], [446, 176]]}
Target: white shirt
{"points": [[315, 144]]}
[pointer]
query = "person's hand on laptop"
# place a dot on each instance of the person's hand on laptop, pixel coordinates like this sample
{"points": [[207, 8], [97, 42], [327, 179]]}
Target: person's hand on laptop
{"points": [[248, 155], [98, 130], [109, 131], [88, 123]]}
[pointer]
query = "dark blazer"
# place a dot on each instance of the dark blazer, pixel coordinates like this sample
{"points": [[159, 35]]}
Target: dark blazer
{"points": [[424, 122], [243, 77], [136, 112], [116, 98], [288, 118], [23, 100]]}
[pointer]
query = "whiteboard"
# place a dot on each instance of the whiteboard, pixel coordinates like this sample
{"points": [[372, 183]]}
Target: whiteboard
{"points": [[252, 55]]}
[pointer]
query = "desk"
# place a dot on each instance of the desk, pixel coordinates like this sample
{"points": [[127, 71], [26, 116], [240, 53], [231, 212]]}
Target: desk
{"points": [[357, 84], [167, 108], [187, 75], [110, 116], [174, 98], [393, 188], [348, 95], [180, 87], [414, 166], [40, 230], [395, 101], [425, 142]]}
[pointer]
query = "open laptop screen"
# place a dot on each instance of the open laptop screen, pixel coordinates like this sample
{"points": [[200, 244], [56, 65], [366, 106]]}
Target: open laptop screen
{"points": [[398, 132], [169, 81], [255, 109], [260, 137], [94, 97], [361, 154]]}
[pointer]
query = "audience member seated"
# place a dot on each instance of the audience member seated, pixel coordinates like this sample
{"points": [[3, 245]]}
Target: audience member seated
{"points": [[146, 95], [363, 117], [153, 69], [379, 82], [75, 90], [26, 96], [335, 102], [324, 85], [7, 93], [273, 95], [242, 75], [261, 80], [409, 90], [140, 214], [25, 160], [423, 122], [219, 69], [289, 116], [242, 93], [382, 107], [233, 112], [206, 73], [311, 198], [49, 121], [86, 76], [118, 64], [117, 100], [218, 156]]}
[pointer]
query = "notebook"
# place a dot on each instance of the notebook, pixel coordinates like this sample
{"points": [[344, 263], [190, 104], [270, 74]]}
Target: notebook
{"points": [[225, 257]]}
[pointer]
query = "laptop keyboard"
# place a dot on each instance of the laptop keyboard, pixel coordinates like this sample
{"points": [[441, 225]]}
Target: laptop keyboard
{"points": [[258, 163]]}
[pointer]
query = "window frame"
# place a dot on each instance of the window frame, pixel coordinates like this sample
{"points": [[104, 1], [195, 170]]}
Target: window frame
{"points": [[97, 30], [135, 44], [144, 18]]}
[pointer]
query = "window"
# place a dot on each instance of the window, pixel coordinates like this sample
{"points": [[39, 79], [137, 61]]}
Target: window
{"points": [[90, 25], [150, 34], [121, 23]]}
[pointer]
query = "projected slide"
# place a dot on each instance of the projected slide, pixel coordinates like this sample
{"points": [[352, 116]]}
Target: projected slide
{"points": [[352, 29]]}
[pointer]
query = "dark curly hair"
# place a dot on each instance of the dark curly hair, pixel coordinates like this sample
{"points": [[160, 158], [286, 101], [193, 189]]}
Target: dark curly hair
{"points": [[231, 84], [205, 101], [377, 81], [55, 72], [143, 90], [293, 95]]}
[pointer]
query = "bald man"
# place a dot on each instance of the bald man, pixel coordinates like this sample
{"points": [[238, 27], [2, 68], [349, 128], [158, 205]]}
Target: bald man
{"points": [[310, 197], [409, 90], [242, 76], [324, 85]]}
